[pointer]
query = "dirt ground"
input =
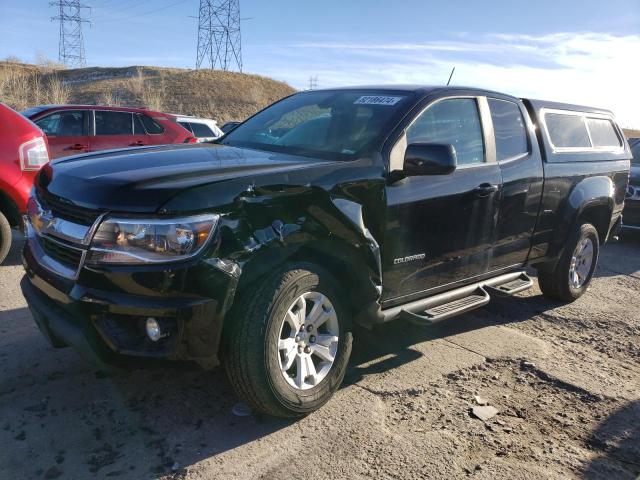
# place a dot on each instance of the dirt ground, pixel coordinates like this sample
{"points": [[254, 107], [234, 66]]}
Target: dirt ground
{"points": [[564, 379]]}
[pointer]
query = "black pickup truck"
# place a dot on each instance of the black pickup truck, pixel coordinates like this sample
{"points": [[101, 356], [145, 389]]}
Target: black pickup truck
{"points": [[329, 211]]}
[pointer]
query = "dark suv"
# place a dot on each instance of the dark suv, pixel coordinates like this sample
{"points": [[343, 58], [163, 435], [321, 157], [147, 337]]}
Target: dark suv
{"points": [[326, 212], [631, 213]]}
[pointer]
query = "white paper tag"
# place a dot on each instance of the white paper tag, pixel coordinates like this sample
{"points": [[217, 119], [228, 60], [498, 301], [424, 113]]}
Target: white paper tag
{"points": [[377, 100]]}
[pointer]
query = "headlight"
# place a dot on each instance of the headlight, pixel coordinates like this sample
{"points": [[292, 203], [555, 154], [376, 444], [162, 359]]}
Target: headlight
{"points": [[128, 240]]}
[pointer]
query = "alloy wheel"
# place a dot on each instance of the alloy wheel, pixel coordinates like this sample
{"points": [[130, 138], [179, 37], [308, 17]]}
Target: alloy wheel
{"points": [[308, 340]]}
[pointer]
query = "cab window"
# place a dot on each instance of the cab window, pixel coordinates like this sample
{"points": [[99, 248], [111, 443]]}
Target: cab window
{"points": [[66, 123], [113, 123], [509, 129], [454, 121]]}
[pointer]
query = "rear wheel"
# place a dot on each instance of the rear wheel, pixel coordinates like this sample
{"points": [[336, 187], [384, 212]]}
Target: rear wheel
{"points": [[289, 343], [5, 237], [574, 271]]}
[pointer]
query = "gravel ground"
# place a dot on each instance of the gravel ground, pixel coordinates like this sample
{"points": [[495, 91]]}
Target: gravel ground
{"points": [[564, 381]]}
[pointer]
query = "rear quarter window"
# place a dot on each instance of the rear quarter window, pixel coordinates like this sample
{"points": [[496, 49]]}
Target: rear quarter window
{"points": [[186, 125], [567, 131], [603, 133], [152, 127]]}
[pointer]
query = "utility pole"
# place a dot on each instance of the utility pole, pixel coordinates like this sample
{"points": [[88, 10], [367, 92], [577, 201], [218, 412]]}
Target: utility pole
{"points": [[219, 40], [71, 43], [313, 82]]}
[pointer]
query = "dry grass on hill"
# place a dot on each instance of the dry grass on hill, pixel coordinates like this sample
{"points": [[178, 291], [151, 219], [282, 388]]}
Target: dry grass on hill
{"points": [[632, 133], [210, 93], [215, 94]]}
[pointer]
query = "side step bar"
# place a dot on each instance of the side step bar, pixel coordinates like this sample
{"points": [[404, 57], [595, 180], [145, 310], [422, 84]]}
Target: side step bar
{"points": [[439, 307], [523, 282], [476, 299]]}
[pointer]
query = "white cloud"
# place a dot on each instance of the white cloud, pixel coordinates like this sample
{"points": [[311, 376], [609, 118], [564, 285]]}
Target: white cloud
{"points": [[594, 69]]}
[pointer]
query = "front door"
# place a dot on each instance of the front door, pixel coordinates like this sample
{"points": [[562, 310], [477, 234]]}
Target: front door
{"points": [[440, 228], [66, 132]]}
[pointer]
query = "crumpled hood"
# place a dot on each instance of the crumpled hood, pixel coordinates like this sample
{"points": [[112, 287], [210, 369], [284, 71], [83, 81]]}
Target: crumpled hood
{"points": [[143, 179]]}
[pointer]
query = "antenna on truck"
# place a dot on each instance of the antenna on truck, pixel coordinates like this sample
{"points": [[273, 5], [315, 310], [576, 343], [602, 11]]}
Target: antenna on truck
{"points": [[451, 76]]}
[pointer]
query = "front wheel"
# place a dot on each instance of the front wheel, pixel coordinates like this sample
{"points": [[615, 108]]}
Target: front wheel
{"points": [[574, 271], [287, 348], [5, 237]]}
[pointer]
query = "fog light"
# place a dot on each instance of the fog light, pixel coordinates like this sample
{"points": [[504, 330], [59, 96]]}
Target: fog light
{"points": [[154, 332]]}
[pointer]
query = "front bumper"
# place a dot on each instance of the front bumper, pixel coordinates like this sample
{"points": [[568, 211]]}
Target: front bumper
{"points": [[102, 313]]}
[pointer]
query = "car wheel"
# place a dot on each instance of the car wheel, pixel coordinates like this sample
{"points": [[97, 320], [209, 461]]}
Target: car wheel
{"points": [[573, 273], [289, 343], [5, 237]]}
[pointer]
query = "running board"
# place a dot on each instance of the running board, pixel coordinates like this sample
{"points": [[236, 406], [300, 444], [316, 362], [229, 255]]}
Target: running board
{"points": [[427, 311], [476, 299], [523, 282]]}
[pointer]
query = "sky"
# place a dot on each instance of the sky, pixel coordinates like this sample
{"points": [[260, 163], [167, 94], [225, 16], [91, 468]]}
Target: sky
{"points": [[575, 51]]}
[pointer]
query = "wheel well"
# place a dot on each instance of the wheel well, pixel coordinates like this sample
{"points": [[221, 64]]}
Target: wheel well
{"points": [[600, 217], [339, 268], [9, 209]]}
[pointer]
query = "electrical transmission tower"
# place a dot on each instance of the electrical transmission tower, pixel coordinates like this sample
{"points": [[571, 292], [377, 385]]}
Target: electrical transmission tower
{"points": [[219, 41], [71, 46], [313, 82]]}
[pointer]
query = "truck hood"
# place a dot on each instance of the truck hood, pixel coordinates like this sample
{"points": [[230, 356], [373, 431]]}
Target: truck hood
{"points": [[143, 179]]}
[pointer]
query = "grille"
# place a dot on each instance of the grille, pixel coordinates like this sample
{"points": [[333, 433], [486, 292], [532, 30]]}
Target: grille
{"points": [[68, 256], [66, 210]]}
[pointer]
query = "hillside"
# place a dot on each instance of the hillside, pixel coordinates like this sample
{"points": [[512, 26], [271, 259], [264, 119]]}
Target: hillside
{"points": [[211, 93], [632, 133]]}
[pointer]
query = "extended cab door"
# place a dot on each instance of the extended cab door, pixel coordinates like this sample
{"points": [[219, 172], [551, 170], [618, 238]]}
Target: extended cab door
{"points": [[440, 228], [66, 131], [518, 155]]}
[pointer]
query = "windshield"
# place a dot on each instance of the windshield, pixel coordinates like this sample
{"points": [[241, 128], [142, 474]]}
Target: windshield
{"points": [[326, 124]]}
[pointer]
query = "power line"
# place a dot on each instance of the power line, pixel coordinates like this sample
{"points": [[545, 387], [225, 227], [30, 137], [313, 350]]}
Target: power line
{"points": [[219, 39], [313, 82], [71, 43]]}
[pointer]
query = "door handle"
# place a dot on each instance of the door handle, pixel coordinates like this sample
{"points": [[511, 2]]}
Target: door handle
{"points": [[485, 189], [77, 146]]}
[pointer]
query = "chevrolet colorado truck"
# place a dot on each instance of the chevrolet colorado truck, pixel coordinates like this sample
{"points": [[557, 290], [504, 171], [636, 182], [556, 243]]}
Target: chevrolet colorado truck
{"points": [[327, 212]]}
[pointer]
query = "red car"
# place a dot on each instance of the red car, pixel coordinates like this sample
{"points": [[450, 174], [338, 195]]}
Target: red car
{"points": [[23, 151], [75, 129]]}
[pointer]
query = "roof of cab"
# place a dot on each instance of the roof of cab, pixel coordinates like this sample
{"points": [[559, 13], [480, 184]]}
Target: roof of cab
{"points": [[538, 104], [419, 89]]}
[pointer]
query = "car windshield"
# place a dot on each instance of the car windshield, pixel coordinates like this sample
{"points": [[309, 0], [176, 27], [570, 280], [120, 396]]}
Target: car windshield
{"points": [[325, 124]]}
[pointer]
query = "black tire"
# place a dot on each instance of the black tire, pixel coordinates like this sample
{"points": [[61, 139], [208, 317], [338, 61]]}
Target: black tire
{"points": [[555, 284], [251, 355], [5, 237]]}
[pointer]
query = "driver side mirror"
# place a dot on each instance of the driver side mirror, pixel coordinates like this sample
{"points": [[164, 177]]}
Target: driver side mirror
{"points": [[429, 159]]}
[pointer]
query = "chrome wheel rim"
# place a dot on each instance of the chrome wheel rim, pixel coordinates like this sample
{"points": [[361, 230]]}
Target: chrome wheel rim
{"points": [[581, 263], [308, 340]]}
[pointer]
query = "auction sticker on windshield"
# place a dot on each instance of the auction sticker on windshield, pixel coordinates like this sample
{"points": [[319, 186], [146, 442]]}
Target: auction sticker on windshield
{"points": [[377, 100]]}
